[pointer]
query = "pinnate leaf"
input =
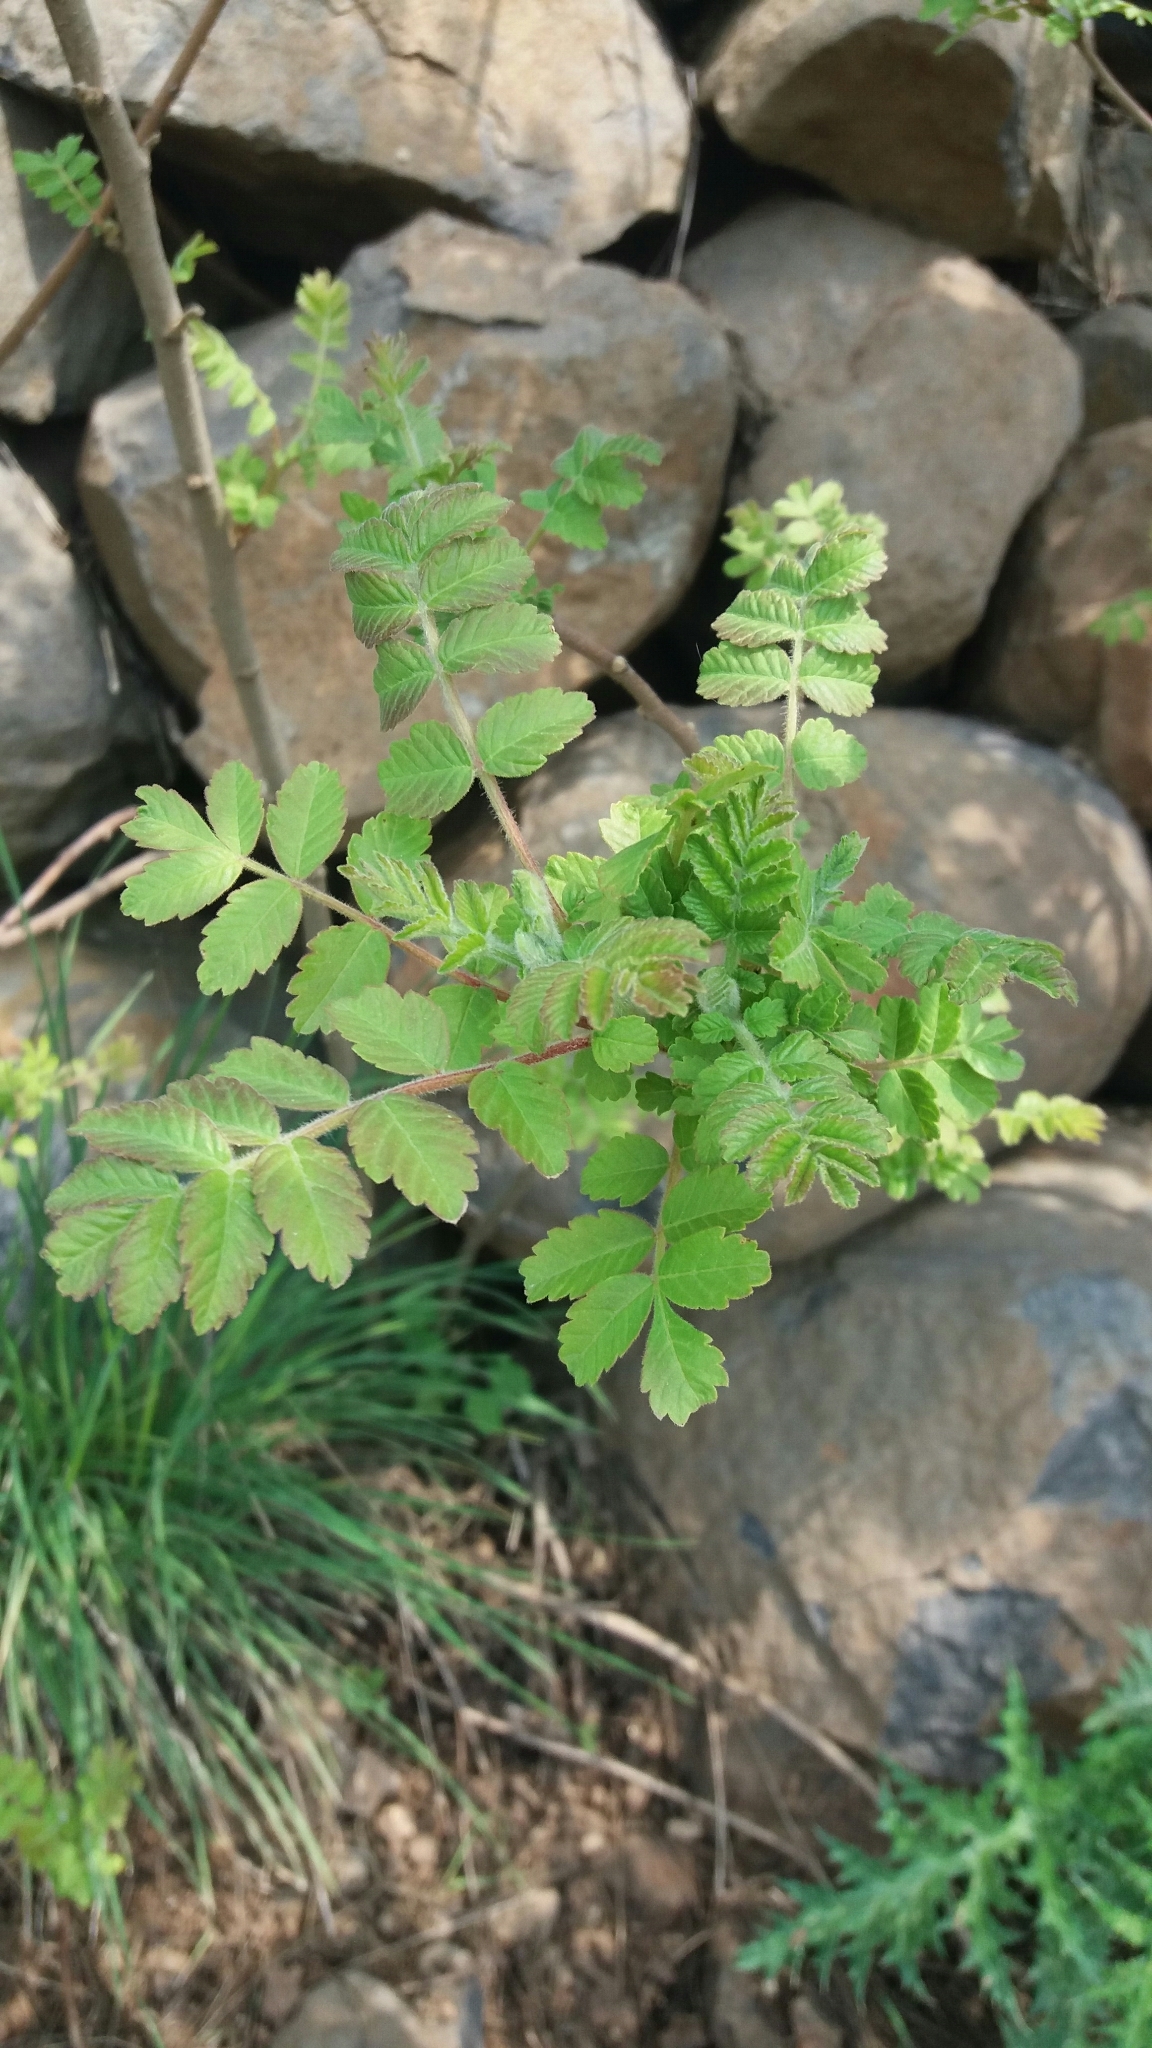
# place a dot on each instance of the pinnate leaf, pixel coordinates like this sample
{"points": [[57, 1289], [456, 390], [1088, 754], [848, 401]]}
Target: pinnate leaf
{"points": [[145, 1266], [517, 735], [383, 606], [339, 963], [844, 564], [398, 1034], [80, 1248], [840, 683], [503, 639], [625, 1170], [599, 1329], [528, 1109], [245, 937], [307, 818], [166, 1133], [427, 1151], [682, 1370], [309, 1193], [224, 1246], [572, 1259], [468, 573], [283, 1076], [710, 1269], [179, 885], [426, 772], [235, 807], [744, 675]]}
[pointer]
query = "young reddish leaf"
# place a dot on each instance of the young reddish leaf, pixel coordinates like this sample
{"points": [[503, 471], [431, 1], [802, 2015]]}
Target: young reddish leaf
{"points": [[166, 1133]]}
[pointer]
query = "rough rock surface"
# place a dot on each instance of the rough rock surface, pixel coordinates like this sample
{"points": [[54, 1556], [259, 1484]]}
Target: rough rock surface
{"points": [[936, 396], [1037, 665], [1115, 351], [946, 1430], [964, 819], [347, 118], [525, 347], [57, 711], [354, 2010], [1118, 213], [90, 336], [981, 145]]}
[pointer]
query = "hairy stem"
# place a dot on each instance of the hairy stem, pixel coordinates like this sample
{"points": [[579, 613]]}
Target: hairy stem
{"points": [[436, 1084], [1107, 81], [129, 177], [791, 724], [146, 128], [354, 915]]}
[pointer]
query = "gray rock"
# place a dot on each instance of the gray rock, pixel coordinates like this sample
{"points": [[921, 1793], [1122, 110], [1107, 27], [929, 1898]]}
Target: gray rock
{"points": [[91, 335], [964, 819], [1115, 351], [1118, 213], [980, 144], [1036, 663], [524, 346], [946, 1429], [935, 395], [57, 710], [354, 2010], [345, 119]]}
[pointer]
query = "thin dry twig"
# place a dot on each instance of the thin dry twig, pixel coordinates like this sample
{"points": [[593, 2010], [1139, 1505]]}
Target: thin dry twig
{"points": [[715, 1727], [1107, 80], [691, 179], [62, 913], [94, 836], [643, 695], [147, 128]]}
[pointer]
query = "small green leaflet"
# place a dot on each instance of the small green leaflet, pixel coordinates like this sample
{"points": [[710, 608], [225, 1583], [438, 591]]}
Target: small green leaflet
{"points": [[307, 818], [1050, 1117], [472, 1015], [709, 1197], [339, 963], [240, 1115], [517, 735], [382, 606], [840, 683], [80, 1248], [589, 1249], [710, 1269], [825, 757], [179, 885], [285, 1077], [108, 1180], [624, 1043], [846, 563], [471, 573], [224, 1246], [527, 1108], [66, 178], [593, 472], [245, 937], [145, 1273], [599, 1328], [624, 1170], [744, 675], [235, 807], [503, 639], [166, 1133], [682, 1370], [309, 1193], [426, 772], [401, 678], [427, 1151], [168, 821], [398, 1034]]}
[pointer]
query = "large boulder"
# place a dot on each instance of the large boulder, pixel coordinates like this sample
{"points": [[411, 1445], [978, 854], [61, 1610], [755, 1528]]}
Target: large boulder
{"points": [[935, 395], [942, 1433], [1114, 345], [525, 347], [91, 334], [980, 144], [1117, 223], [964, 819], [320, 123], [1037, 664]]}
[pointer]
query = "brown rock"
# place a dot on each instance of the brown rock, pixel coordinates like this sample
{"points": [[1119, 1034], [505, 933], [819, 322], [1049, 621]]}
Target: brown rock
{"points": [[984, 1376], [935, 395], [339, 121], [980, 144], [1038, 665], [598, 345], [369, 1783], [661, 1877], [354, 2010], [1115, 350], [1118, 213], [529, 1917]]}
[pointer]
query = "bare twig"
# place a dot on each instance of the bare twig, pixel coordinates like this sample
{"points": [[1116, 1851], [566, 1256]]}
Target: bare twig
{"points": [[94, 836], [62, 913], [691, 179], [147, 127], [129, 177], [1107, 80], [643, 695]]}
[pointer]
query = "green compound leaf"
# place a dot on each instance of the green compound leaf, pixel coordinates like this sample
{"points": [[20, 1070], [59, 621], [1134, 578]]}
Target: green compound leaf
{"points": [[710, 1269], [825, 757], [224, 1246], [383, 606], [168, 821], [504, 639], [307, 818], [166, 1133], [601, 1327], [624, 1170], [245, 937], [682, 1370], [468, 573], [426, 772], [528, 1109], [1050, 1117], [108, 1180], [427, 1151], [338, 963], [179, 885], [709, 1197], [624, 1043], [80, 1248], [285, 1077], [240, 1115], [309, 1193], [744, 675], [472, 1015], [235, 807], [66, 178], [403, 672], [517, 736], [398, 1034], [145, 1267], [589, 1249]]}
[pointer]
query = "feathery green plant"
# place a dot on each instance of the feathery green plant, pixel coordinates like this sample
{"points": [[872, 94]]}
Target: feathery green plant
{"points": [[702, 968], [1064, 20], [1043, 1876], [63, 1833]]}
